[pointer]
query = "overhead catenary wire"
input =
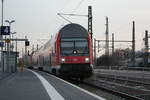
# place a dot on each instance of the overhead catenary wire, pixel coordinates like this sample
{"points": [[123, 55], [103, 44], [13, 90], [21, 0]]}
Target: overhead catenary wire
{"points": [[66, 19], [78, 6], [72, 14], [65, 5]]}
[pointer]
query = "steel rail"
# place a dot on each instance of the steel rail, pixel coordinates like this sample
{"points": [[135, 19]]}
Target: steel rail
{"points": [[129, 80], [108, 90], [117, 93]]}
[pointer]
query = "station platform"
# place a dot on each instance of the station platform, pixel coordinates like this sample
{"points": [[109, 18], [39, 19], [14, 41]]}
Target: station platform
{"points": [[35, 85]]}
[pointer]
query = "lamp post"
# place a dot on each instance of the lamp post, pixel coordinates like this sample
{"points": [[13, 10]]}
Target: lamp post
{"points": [[12, 46], [2, 60], [9, 66], [10, 22], [1, 37], [2, 11]]}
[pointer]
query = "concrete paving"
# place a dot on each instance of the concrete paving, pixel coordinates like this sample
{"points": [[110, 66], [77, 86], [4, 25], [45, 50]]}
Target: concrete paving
{"points": [[27, 86], [22, 86], [3, 75], [69, 91]]}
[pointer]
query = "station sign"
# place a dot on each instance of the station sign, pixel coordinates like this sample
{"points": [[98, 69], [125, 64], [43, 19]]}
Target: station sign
{"points": [[5, 30]]}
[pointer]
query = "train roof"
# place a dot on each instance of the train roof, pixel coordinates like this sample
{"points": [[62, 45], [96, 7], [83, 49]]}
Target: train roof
{"points": [[73, 30]]}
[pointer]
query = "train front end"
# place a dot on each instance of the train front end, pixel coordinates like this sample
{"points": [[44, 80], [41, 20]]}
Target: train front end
{"points": [[76, 57]]}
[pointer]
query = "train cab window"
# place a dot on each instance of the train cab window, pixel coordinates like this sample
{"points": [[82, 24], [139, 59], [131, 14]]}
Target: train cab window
{"points": [[67, 44], [80, 45]]}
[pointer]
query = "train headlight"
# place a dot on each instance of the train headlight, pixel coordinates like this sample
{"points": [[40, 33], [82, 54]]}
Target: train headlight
{"points": [[87, 59], [62, 59]]}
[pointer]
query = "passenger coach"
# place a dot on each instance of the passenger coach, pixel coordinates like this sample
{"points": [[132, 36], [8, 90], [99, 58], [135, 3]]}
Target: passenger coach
{"points": [[69, 53]]}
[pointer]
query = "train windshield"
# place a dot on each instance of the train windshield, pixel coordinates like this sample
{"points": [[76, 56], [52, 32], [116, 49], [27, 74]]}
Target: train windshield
{"points": [[74, 47]]}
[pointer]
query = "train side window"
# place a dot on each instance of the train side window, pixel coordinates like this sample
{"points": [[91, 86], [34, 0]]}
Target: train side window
{"points": [[55, 47], [50, 60]]}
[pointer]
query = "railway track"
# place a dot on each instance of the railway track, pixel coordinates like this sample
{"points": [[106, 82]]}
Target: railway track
{"points": [[119, 94], [139, 90], [112, 88], [114, 92], [128, 81]]}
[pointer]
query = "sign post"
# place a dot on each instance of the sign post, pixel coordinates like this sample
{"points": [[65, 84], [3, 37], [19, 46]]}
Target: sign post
{"points": [[5, 30]]}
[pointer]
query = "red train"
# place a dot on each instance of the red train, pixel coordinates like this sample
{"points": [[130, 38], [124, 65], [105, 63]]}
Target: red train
{"points": [[69, 53]]}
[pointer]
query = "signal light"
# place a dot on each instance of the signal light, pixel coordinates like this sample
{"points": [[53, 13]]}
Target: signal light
{"points": [[27, 43]]}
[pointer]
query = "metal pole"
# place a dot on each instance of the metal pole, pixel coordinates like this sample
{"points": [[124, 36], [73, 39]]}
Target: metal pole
{"points": [[12, 42], [32, 48], [25, 53], [37, 47], [112, 56], [8, 50], [95, 52], [90, 30], [8, 61], [107, 37], [98, 46], [31, 56], [2, 11], [112, 43], [146, 49], [9, 67], [10, 22], [133, 45], [22, 54], [2, 58], [16, 56]]}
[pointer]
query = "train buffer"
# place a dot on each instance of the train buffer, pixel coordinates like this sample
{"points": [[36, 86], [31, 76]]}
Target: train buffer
{"points": [[35, 85]]}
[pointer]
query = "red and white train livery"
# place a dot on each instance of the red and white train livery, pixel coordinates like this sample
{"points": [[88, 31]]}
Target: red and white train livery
{"points": [[69, 53]]}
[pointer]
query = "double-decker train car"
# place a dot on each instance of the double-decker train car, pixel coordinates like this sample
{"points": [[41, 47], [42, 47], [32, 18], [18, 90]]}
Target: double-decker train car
{"points": [[68, 53]]}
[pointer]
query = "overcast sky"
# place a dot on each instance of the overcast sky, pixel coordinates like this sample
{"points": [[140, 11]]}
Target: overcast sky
{"points": [[38, 19]]}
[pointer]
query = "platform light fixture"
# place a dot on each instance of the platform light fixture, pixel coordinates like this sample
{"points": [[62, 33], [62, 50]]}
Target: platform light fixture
{"points": [[12, 21]]}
